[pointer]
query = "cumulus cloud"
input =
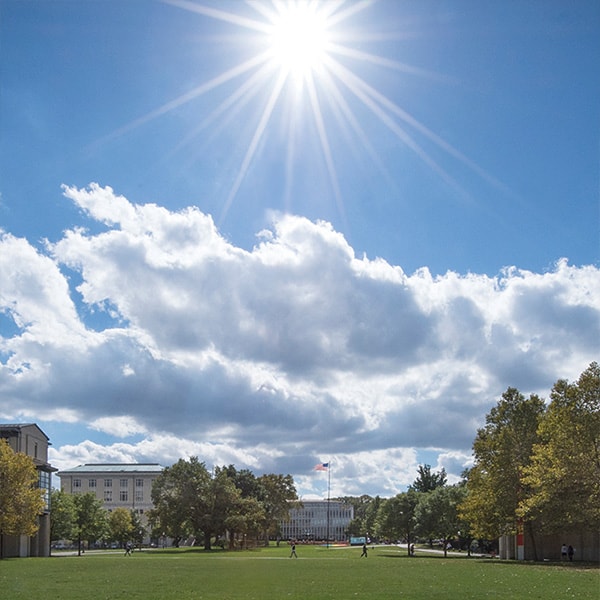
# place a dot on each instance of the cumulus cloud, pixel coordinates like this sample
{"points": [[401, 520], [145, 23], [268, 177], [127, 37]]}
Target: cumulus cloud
{"points": [[276, 358]]}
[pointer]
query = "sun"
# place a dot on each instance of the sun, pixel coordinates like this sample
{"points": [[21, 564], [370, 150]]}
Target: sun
{"points": [[315, 48], [298, 39]]}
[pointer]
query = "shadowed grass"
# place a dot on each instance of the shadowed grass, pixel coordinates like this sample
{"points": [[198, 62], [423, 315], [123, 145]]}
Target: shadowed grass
{"points": [[318, 574]]}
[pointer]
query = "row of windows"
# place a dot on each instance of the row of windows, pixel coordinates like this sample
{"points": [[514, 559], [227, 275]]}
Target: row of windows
{"points": [[92, 483], [334, 513], [123, 496]]}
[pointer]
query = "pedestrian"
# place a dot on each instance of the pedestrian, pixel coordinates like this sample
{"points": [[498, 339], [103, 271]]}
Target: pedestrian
{"points": [[293, 553], [364, 551], [128, 548], [563, 552], [570, 552]]}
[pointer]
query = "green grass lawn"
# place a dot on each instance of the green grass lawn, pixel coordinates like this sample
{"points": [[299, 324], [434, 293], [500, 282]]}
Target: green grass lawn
{"points": [[268, 574]]}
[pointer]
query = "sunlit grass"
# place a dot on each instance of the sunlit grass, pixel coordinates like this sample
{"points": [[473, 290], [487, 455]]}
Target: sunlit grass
{"points": [[265, 574]]}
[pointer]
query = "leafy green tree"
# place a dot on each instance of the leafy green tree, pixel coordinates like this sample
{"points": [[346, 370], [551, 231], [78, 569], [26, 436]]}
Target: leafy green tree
{"points": [[427, 481], [90, 519], [62, 516], [370, 516], [120, 525], [436, 514], [279, 496], [564, 473], [21, 501], [246, 516], [219, 503], [138, 529], [396, 517], [245, 481], [179, 498], [189, 500], [501, 450], [365, 512], [245, 519]]}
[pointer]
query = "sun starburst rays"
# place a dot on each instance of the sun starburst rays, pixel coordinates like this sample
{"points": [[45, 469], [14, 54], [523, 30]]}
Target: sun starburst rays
{"points": [[302, 60]]}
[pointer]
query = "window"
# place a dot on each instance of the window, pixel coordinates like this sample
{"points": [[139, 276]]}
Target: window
{"points": [[108, 483], [92, 483], [76, 483], [124, 483], [107, 495], [139, 483], [123, 496], [44, 484], [139, 496]]}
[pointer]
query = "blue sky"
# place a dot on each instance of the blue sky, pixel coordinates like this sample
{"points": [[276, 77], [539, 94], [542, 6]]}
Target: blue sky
{"points": [[202, 256]]}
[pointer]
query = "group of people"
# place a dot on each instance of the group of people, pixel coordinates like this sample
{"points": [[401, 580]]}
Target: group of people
{"points": [[567, 551]]}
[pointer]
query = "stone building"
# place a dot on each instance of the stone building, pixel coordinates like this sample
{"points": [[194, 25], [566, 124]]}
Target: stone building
{"points": [[117, 485], [29, 439]]}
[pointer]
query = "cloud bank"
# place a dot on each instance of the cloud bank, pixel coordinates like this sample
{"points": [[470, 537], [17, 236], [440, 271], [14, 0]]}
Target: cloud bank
{"points": [[155, 329]]}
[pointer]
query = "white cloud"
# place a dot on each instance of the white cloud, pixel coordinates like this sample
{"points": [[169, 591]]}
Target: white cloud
{"points": [[279, 357]]}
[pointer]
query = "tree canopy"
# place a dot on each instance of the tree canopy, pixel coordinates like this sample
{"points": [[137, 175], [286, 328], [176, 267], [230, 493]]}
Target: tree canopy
{"points": [[437, 514], [428, 481], [62, 516], [90, 518], [191, 501], [396, 518], [501, 449], [21, 501], [564, 473]]}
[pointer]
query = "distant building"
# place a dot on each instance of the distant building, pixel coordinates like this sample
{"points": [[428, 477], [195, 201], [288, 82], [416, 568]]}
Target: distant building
{"points": [[29, 439], [117, 485], [318, 520]]}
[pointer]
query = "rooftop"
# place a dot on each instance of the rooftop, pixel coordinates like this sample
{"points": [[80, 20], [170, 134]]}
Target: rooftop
{"points": [[114, 468]]}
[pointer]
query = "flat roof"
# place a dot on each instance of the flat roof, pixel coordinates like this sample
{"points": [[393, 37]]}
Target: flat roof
{"points": [[114, 468]]}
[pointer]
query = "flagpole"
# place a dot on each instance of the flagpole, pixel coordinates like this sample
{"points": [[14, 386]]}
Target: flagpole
{"points": [[328, 498]]}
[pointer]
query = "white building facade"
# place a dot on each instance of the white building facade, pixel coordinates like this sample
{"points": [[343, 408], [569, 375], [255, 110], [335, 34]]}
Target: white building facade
{"points": [[318, 520]]}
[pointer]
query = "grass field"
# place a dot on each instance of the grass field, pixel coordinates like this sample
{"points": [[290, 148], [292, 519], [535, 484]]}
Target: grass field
{"points": [[269, 574]]}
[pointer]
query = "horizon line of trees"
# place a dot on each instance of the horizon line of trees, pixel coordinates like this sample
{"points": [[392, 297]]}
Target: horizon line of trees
{"points": [[536, 464]]}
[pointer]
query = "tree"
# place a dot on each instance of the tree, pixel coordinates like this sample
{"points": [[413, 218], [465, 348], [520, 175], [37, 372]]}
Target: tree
{"points": [[247, 515], [138, 529], [178, 495], [396, 517], [120, 525], [501, 450], [437, 516], [62, 516], [278, 496], [245, 481], [564, 473], [428, 481], [246, 518], [90, 519], [218, 504], [21, 501]]}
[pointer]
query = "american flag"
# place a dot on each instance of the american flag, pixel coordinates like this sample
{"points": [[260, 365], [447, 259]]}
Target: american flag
{"points": [[321, 467]]}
